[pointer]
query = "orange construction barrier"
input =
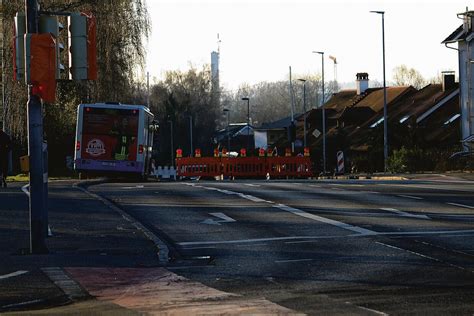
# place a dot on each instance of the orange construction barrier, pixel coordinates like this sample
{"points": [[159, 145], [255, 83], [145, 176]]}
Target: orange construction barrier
{"points": [[245, 167], [288, 152], [306, 151], [216, 153]]}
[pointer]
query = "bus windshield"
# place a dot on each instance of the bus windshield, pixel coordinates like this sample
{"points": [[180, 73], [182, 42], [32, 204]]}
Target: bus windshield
{"points": [[109, 134]]}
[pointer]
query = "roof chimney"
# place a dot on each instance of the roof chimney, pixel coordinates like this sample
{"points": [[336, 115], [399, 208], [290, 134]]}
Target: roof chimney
{"points": [[448, 80], [362, 82]]}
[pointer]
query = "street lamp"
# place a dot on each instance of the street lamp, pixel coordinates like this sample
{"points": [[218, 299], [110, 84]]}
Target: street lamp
{"points": [[228, 127], [323, 112], [191, 134], [248, 123], [172, 145], [385, 123], [304, 110]]}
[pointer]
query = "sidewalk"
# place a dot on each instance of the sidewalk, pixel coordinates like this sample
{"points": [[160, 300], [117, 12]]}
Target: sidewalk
{"points": [[99, 263], [85, 234]]}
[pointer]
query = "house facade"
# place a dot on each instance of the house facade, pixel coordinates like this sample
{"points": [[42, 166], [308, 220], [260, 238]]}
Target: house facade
{"points": [[464, 37]]}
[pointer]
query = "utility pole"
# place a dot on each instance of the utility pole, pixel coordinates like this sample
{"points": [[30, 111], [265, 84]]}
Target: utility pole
{"points": [[191, 133], [292, 105], [37, 200], [148, 89]]}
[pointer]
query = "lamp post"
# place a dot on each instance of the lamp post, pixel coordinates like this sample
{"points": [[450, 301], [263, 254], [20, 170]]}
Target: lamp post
{"points": [[191, 134], [323, 112], [172, 145], [385, 123], [228, 126], [248, 123], [304, 110]]}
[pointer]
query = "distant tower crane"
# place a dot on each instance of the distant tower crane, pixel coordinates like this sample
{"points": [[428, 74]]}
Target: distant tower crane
{"points": [[335, 72]]}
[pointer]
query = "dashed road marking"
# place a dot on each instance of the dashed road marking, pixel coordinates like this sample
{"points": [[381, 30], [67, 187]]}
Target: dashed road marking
{"points": [[404, 214], [410, 197], [13, 274], [293, 260], [325, 220], [421, 255], [461, 205]]}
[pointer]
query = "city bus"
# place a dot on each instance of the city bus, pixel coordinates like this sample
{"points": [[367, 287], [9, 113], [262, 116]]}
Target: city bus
{"points": [[114, 139]]}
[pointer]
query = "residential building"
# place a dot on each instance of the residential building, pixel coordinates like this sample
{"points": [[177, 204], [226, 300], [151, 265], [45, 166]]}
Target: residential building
{"points": [[464, 37]]}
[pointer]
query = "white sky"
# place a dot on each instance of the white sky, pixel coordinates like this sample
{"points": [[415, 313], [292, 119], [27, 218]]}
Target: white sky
{"points": [[261, 38]]}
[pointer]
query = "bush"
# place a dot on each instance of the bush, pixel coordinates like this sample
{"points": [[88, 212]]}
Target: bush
{"points": [[398, 161]]}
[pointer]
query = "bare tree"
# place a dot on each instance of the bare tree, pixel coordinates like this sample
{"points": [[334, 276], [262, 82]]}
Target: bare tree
{"points": [[404, 76]]}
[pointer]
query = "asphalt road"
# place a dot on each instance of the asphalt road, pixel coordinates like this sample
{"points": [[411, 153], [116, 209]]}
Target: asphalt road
{"points": [[318, 247]]}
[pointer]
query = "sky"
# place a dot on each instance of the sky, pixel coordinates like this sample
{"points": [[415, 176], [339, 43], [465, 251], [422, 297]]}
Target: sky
{"points": [[260, 39]]}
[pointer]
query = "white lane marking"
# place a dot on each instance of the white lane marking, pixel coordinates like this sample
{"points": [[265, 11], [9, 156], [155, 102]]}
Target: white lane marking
{"points": [[13, 274], [461, 205], [370, 192], [203, 247], [252, 245], [252, 185], [223, 219], [410, 197], [294, 260], [325, 220], [404, 214], [242, 195], [372, 310], [314, 186], [135, 187], [250, 197], [409, 251], [247, 241], [25, 189], [421, 255], [23, 304], [450, 233]]}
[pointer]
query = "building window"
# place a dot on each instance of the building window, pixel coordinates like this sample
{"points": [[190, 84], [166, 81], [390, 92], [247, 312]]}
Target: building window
{"points": [[452, 119], [377, 123]]}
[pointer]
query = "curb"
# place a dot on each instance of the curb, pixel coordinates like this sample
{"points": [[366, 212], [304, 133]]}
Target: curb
{"points": [[163, 250]]}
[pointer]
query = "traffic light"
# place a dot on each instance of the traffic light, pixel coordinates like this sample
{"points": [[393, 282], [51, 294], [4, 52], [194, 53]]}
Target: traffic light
{"points": [[82, 46], [19, 47], [50, 24], [40, 65]]}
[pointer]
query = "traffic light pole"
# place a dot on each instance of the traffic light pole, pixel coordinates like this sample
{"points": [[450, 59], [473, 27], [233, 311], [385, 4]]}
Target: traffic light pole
{"points": [[37, 202]]}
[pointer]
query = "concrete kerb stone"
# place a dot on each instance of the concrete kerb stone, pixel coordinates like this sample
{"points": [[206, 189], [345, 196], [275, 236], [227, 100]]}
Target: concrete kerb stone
{"points": [[163, 250]]}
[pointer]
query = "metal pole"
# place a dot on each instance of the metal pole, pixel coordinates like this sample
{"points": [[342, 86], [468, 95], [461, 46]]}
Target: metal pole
{"points": [[324, 116], [248, 126], [38, 213], [228, 131], [304, 109], [172, 145], [191, 133], [292, 100], [148, 89], [385, 123]]}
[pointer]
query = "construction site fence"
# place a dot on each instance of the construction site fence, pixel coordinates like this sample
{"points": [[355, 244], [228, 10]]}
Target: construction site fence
{"points": [[244, 167]]}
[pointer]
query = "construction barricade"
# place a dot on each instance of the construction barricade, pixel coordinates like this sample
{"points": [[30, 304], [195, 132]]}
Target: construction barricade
{"points": [[245, 167]]}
